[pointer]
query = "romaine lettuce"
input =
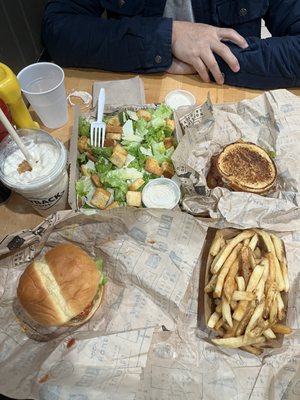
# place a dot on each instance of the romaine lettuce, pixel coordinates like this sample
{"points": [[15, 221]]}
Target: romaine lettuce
{"points": [[84, 126], [84, 186], [105, 152], [160, 153]]}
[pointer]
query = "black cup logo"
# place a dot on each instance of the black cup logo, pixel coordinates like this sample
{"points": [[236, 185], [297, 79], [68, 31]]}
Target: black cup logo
{"points": [[46, 203]]}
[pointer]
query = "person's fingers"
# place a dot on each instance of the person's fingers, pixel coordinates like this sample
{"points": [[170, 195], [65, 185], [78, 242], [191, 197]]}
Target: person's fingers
{"points": [[201, 69], [180, 67], [225, 53], [212, 66], [233, 36]]}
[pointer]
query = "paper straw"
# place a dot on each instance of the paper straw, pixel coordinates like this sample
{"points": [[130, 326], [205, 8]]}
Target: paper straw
{"points": [[16, 137]]}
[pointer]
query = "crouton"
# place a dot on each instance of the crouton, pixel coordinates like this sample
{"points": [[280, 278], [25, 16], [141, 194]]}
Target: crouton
{"points": [[100, 198], [168, 169], [134, 199], [114, 135], [136, 184], [91, 157], [114, 129], [168, 142], [118, 159], [109, 142], [83, 144], [113, 121], [119, 156], [170, 123], [96, 180], [114, 204], [153, 167], [120, 149], [85, 170], [146, 115]]}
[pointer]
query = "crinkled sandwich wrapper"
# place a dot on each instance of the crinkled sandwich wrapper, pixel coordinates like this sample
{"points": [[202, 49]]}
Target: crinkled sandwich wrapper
{"points": [[271, 120], [150, 257], [145, 340]]}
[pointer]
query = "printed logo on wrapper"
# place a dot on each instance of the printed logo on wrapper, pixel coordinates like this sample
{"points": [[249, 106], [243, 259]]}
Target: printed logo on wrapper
{"points": [[45, 186]]}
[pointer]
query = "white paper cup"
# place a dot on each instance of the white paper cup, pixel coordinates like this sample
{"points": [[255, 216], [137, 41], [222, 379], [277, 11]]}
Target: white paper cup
{"points": [[46, 187], [43, 86]]}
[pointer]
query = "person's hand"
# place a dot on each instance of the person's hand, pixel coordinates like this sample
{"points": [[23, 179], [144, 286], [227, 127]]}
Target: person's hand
{"points": [[181, 68], [194, 44]]}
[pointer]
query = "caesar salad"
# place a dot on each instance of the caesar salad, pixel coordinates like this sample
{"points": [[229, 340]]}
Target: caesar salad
{"points": [[138, 148]]}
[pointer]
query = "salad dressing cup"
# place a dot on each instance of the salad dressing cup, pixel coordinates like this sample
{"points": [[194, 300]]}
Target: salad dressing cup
{"points": [[161, 193]]}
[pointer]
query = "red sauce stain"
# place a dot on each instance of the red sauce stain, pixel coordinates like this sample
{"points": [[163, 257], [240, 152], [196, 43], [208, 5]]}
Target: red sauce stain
{"points": [[44, 378], [70, 343]]}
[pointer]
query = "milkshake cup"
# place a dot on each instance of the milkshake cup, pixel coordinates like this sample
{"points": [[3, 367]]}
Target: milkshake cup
{"points": [[46, 186]]}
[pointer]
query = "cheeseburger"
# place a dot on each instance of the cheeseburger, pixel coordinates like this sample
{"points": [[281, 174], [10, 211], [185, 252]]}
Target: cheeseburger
{"points": [[64, 287], [244, 167]]}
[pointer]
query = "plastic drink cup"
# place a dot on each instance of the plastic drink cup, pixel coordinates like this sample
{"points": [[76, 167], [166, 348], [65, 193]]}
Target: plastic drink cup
{"points": [[46, 186], [43, 86]]}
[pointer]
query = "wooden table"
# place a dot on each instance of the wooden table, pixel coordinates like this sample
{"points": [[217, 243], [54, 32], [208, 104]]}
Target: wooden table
{"points": [[16, 214]]}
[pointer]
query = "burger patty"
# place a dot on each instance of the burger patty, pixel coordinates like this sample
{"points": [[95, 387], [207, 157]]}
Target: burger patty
{"points": [[85, 312]]}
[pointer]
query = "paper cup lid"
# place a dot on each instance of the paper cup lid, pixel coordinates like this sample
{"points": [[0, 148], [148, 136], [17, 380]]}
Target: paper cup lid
{"points": [[178, 98], [161, 193]]}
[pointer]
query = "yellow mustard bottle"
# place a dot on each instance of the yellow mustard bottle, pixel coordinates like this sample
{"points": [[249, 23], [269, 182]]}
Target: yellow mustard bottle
{"points": [[10, 93]]}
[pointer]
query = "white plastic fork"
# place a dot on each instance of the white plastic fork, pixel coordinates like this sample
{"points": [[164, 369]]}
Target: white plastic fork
{"points": [[98, 128]]}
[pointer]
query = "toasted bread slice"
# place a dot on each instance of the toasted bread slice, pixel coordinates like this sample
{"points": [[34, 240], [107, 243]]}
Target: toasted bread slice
{"points": [[246, 167]]}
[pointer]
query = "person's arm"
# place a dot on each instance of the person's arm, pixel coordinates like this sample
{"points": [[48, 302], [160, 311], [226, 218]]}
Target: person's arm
{"points": [[270, 63], [273, 62], [75, 35]]}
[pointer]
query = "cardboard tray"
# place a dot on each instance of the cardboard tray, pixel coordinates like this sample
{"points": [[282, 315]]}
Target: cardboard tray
{"points": [[73, 152]]}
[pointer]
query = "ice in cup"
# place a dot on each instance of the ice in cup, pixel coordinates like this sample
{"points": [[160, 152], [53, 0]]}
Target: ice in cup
{"points": [[43, 86], [46, 185]]}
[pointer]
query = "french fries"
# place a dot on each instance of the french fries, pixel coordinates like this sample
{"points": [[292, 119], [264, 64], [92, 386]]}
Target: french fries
{"points": [[280, 328], [214, 318], [224, 271], [238, 341], [216, 244], [247, 277]]}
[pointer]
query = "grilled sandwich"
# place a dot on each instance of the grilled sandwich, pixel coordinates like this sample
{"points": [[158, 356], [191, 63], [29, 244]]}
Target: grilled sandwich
{"points": [[244, 167]]}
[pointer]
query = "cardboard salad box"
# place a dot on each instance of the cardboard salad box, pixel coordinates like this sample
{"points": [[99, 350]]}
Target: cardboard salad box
{"points": [[73, 151]]}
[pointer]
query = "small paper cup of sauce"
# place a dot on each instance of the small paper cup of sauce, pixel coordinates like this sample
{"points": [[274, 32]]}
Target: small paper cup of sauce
{"points": [[179, 98], [161, 193]]}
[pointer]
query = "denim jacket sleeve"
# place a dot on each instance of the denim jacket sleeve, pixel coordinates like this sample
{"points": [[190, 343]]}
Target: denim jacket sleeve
{"points": [[267, 63], [74, 34]]}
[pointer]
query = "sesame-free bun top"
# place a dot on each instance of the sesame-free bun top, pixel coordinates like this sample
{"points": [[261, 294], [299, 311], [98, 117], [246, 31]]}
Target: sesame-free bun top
{"points": [[247, 167], [57, 287]]}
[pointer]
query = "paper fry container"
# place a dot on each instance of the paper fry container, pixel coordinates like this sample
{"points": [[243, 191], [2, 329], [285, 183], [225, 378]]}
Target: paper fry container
{"points": [[206, 303]]}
